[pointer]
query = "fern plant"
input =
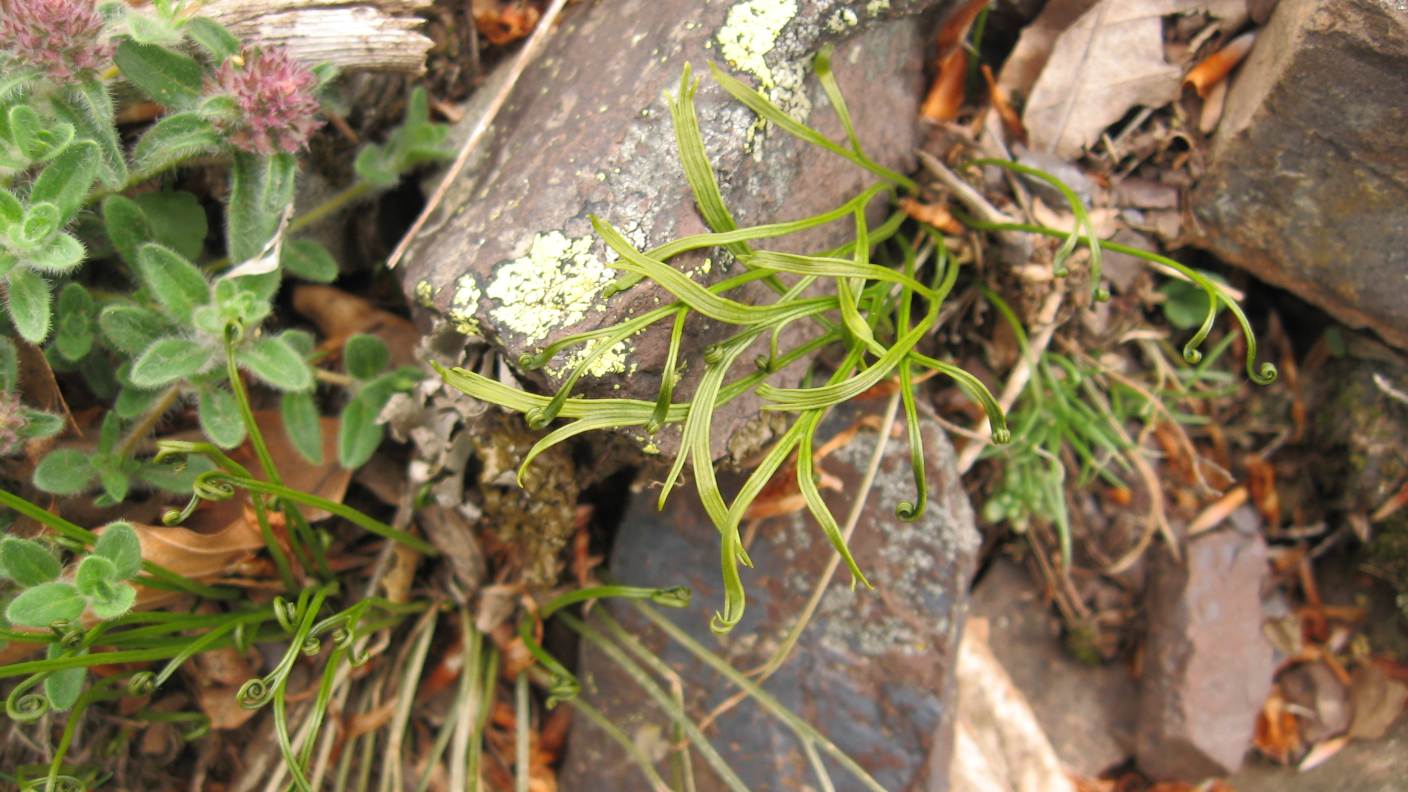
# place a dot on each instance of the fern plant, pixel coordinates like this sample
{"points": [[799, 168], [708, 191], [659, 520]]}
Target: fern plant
{"points": [[874, 316]]}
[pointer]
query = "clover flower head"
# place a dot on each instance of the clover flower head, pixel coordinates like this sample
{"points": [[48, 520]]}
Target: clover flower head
{"points": [[63, 39], [274, 94]]}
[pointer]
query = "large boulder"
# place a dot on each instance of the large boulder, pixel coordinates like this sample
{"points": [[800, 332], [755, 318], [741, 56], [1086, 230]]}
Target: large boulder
{"points": [[873, 671], [511, 255], [1308, 185]]}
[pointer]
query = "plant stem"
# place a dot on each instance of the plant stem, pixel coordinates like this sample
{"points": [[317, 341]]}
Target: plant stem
{"points": [[522, 712], [349, 195], [168, 397]]}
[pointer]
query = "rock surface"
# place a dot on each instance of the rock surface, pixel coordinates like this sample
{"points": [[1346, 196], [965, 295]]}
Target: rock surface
{"points": [[1309, 179], [587, 130], [1087, 711], [1207, 665], [874, 670]]}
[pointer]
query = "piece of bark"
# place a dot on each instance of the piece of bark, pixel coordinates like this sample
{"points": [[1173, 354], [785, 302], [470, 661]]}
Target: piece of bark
{"points": [[374, 35]]}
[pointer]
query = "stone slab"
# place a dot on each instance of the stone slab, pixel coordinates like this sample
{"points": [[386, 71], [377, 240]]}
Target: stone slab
{"points": [[874, 670]]}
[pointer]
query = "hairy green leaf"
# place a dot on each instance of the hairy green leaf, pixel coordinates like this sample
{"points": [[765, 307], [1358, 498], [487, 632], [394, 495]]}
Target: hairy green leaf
{"points": [[175, 282], [309, 260], [28, 562], [95, 577], [65, 181], [119, 544], [88, 106], [277, 364], [173, 140], [63, 687], [40, 424], [167, 77], [168, 360], [115, 601], [126, 226], [28, 304], [63, 471], [44, 604], [261, 188], [220, 417], [303, 425], [365, 356], [176, 219], [212, 37], [130, 328], [358, 433]]}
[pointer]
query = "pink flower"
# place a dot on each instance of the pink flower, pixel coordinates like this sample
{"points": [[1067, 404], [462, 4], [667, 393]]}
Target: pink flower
{"points": [[274, 94], [61, 38]]}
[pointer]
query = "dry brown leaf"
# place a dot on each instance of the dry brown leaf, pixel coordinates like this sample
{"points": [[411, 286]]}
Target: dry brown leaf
{"points": [[1108, 61], [935, 215], [221, 704], [328, 480], [1011, 120], [1213, 105], [401, 576], [503, 22], [199, 556], [945, 97], [1029, 56], [1377, 700], [339, 315], [1277, 733]]}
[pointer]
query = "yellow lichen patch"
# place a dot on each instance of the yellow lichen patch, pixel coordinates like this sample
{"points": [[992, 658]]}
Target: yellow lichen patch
{"points": [[842, 20], [425, 294], [553, 285], [750, 32], [463, 305], [613, 361], [875, 7]]}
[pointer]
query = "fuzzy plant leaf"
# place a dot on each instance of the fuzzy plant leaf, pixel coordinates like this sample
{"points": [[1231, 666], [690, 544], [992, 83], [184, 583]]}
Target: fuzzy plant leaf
{"points": [[261, 188], [218, 42], [365, 356], [173, 140], [73, 337], [167, 77], [37, 139], [119, 544], [44, 604], [63, 687], [308, 260], [220, 418], [95, 577], [174, 281], [64, 471], [126, 226], [303, 425], [65, 181], [358, 433], [9, 365], [277, 364], [176, 219], [115, 601], [88, 106], [168, 360], [28, 562], [39, 424], [130, 328], [28, 304], [60, 254]]}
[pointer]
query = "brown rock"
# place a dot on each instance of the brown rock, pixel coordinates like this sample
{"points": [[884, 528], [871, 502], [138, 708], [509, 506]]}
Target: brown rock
{"points": [[512, 255], [1207, 666], [1308, 187], [873, 671]]}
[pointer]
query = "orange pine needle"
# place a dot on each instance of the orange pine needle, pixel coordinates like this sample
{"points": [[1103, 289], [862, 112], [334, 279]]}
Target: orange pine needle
{"points": [[1215, 68]]}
